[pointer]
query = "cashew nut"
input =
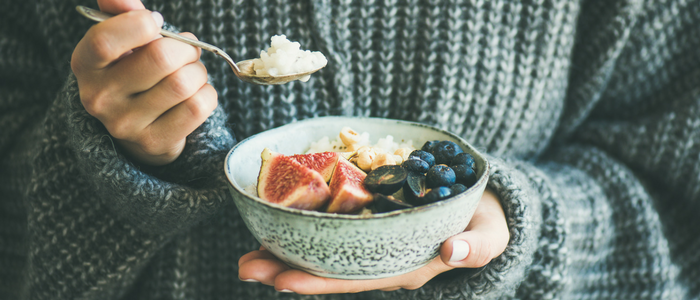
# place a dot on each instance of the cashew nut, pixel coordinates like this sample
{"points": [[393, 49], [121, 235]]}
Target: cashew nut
{"points": [[349, 136], [383, 159], [364, 160], [398, 159], [403, 152]]}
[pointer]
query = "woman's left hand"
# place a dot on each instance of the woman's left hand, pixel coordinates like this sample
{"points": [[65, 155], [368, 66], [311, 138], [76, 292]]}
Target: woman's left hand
{"points": [[485, 238]]}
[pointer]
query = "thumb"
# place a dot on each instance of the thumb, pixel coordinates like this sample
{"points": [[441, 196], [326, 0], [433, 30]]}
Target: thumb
{"points": [[468, 250], [485, 237], [119, 6]]}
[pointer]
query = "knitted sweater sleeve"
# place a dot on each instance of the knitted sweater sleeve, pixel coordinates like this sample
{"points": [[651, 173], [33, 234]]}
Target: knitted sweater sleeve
{"points": [[156, 200], [610, 210], [88, 219], [85, 194], [611, 213], [95, 218]]}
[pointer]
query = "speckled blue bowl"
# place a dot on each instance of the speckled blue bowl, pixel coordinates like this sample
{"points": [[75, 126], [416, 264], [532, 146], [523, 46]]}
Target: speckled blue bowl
{"points": [[349, 246]]}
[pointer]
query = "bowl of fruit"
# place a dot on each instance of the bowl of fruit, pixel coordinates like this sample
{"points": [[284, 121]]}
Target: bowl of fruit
{"points": [[355, 197]]}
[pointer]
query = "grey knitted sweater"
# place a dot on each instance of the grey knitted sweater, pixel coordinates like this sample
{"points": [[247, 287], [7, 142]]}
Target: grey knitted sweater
{"points": [[589, 111]]}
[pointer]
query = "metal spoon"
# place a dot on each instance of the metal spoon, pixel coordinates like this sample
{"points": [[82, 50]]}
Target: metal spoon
{"points": [[243, 69]]}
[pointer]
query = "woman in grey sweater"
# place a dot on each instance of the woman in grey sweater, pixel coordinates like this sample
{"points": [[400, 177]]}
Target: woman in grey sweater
{"points": [[589, 111]]}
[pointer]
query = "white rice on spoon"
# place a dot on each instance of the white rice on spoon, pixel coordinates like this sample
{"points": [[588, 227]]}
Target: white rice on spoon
{"points": [[285, 57]]}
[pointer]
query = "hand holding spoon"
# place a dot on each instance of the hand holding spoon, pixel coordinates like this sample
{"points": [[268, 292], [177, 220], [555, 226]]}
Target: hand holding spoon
{"points": [[243, 70]]}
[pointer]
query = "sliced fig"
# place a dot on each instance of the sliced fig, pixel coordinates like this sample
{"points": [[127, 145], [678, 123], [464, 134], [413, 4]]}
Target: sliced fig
{"points": [[285, 181], [384, 203], [386, 180], [322, 162], [347, 191]]}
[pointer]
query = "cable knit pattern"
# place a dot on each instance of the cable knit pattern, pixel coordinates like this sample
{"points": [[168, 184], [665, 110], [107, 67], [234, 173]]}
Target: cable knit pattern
{"points": [[589, 112]]}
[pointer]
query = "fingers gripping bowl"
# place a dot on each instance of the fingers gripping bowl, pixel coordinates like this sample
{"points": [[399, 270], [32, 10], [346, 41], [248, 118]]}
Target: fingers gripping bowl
{"points": [[349, 246]]}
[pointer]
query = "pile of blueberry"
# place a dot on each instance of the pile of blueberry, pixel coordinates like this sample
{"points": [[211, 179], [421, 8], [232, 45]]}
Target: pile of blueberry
{"points": [[439, 170]]}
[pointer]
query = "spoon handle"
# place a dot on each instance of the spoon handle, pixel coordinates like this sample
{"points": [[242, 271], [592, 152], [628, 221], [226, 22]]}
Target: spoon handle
{"points": [[99, 16]]}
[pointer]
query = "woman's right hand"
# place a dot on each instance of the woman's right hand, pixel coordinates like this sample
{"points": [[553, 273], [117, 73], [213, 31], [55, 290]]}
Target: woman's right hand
{"points": [[149, 92]]}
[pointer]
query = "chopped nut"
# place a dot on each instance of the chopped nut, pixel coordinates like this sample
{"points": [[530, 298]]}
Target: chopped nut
{"points": [[403, 152], [349, 136], [354, 147], [364, 160], [364, 149], [379, 150], [383, 159]]}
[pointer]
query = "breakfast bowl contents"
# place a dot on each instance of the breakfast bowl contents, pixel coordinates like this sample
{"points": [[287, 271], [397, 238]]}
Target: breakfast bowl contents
{"points": [[335, 181], [343, 221]]}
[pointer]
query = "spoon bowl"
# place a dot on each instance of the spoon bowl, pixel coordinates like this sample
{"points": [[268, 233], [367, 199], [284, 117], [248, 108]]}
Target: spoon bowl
{"points": [[243, 70]]}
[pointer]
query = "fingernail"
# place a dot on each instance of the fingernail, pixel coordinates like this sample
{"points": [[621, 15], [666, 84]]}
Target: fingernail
{"points": [[248, 280], [286, 291], [158, 18], [460, 250]]}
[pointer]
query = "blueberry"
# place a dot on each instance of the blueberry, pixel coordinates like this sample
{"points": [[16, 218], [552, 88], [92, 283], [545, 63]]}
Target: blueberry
{"points": [[463, 158], [458, 188], [414, 164], [440, 175], [428, 146], [436, 194], [424, 156], [464, 175], [444, 152]]}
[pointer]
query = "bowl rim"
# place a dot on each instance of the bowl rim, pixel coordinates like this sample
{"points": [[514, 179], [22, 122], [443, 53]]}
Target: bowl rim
{"points": [[482, 180]]}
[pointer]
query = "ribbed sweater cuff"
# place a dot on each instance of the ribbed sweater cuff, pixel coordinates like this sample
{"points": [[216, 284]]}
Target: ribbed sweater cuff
{"points": [[157, 200]]}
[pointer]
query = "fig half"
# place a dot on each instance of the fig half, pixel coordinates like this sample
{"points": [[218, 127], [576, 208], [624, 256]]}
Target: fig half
{"points": [[284, 181], [347, 192], [323, 162]]}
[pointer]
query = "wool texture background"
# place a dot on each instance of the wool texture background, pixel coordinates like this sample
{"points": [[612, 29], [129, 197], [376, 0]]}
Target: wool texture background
{"points": [[589, 112]]}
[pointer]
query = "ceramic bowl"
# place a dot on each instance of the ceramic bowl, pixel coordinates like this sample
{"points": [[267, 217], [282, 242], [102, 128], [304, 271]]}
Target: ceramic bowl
{"points": [[342, 245]]}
